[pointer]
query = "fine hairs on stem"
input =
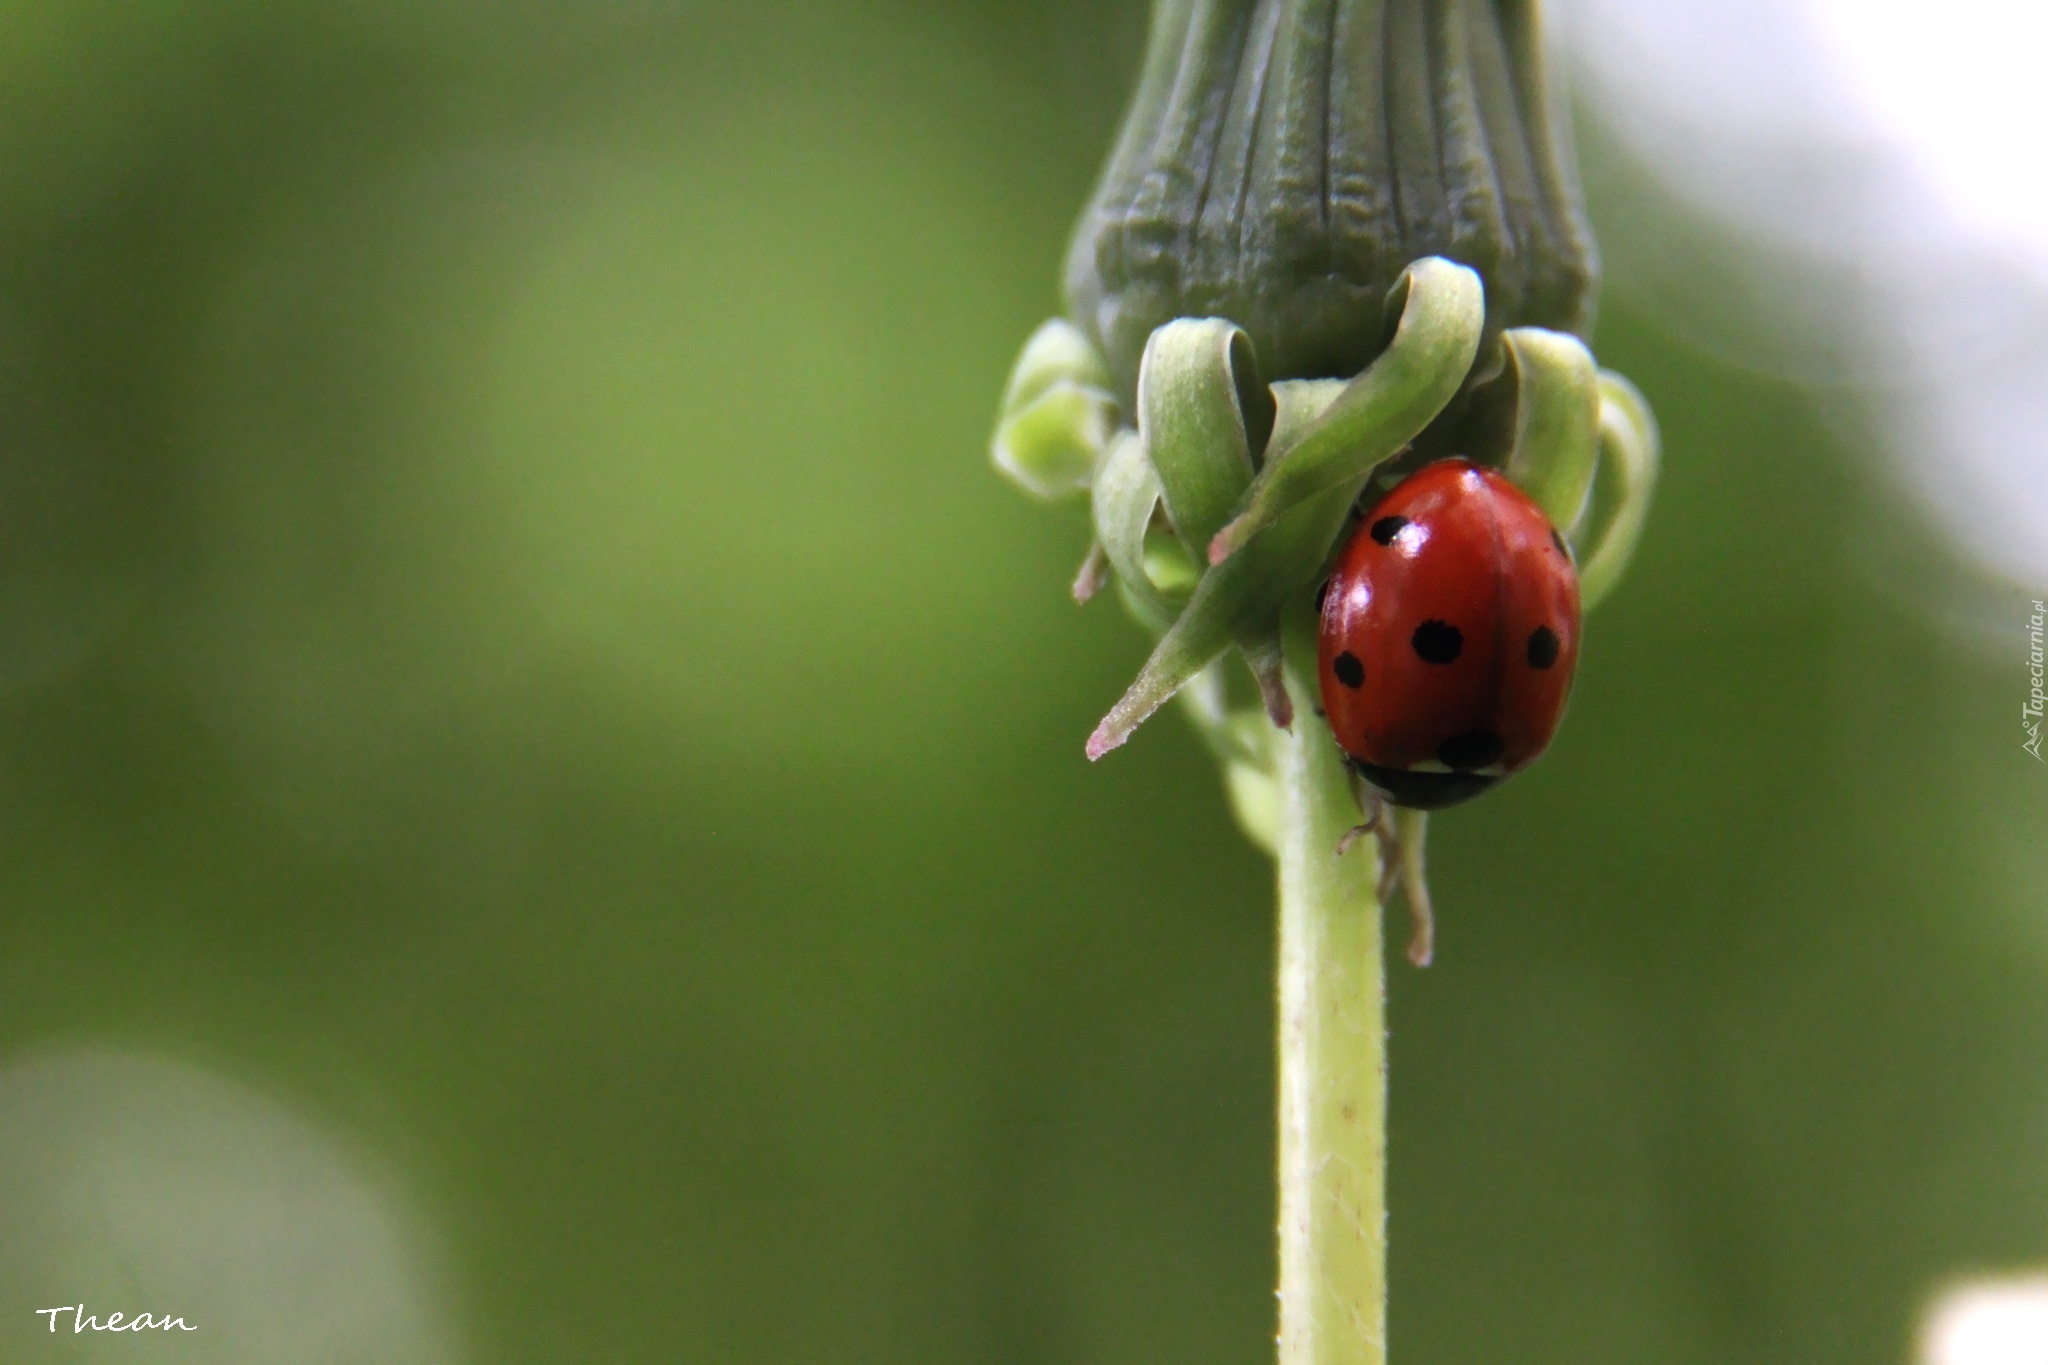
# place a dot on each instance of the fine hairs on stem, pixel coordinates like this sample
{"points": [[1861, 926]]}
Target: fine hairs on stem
{"points": [[1332, 1050]]}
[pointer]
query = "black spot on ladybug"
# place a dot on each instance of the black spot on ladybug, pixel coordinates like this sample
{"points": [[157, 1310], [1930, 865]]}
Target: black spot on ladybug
{"points": [[1386, 528], [1322, 592], [1542, 647], [1438, 642], [1349, 670], [1558, 541], [1473, 749]]}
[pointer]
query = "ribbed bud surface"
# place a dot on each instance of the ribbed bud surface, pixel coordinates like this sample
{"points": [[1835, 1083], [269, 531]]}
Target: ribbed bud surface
{"points": [[1283, 160]]}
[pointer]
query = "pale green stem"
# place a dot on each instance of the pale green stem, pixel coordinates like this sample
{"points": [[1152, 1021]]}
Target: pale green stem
{"points": [[1332, 1063]]}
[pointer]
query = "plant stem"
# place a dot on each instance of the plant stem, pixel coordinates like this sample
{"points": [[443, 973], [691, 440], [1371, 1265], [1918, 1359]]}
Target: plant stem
{"points": [[1333, 1086]]}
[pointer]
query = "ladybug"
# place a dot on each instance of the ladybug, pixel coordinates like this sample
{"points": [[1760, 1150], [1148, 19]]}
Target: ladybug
{"points": [[1449, 633]]}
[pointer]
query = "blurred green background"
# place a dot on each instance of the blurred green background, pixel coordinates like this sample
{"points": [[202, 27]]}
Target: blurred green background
{"points": [[512, 655]]}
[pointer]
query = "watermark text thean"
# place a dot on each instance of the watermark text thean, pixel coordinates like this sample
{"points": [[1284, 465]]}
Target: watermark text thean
{"points": [[141, 1322]]}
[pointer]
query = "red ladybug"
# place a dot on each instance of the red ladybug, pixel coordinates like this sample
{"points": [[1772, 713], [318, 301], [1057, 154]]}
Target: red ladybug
{"points": [[1449, 633]]}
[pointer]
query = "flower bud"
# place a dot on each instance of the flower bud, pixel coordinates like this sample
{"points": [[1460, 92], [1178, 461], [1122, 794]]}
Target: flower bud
{"points": [[1283, 161]]}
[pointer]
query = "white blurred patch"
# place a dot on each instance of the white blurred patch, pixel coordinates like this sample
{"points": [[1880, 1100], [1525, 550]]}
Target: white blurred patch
{"points": [[140, 1185], [1884, 157], [1957, 89], [1988, 1322]]}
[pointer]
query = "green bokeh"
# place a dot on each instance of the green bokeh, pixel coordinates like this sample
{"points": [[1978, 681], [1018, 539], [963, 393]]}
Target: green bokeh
{"points": [[509, 643]]}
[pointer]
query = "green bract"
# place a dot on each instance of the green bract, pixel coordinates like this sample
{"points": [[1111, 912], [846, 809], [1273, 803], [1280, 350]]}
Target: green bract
{"points": [[1058, 413]]}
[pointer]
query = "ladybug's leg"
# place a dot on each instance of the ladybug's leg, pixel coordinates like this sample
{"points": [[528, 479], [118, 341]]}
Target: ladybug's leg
{"points": [[1369, 805], [1401, 864], [1357, 832], [1411, 829], [1390, 860], [1401, 834]]}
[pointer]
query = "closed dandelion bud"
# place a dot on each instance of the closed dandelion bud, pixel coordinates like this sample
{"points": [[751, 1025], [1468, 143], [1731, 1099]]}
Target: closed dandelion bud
{"points": [[1283, 161]]}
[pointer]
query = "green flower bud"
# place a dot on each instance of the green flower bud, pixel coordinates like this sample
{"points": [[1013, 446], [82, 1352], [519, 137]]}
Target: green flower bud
{"points": [[1283, 161]]}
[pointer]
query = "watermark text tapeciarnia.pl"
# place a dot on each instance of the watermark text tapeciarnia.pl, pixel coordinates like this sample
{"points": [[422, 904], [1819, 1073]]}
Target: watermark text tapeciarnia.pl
{"points": [[2030, 714]]}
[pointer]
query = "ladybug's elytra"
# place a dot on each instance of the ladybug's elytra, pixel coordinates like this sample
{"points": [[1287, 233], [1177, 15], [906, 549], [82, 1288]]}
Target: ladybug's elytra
{"points": [[1449, 633]]}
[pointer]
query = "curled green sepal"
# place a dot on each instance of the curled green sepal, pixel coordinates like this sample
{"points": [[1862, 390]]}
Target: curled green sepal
{"points": [[1557, 421], [1238, 602], [1380, 411], [1058, 414], [1629, 448], [1204, 415], [1126, 492]]}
